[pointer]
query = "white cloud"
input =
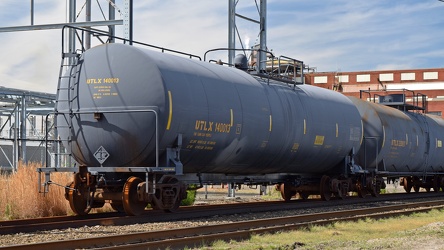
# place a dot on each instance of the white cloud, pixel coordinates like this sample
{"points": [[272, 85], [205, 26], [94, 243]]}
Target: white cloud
{"points": [[329, 35], [363, 35], [31, 58]]}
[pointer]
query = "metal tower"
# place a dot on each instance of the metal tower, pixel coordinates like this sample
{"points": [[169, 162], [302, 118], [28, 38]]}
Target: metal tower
{"points": [[22, 108], [232, 31]]}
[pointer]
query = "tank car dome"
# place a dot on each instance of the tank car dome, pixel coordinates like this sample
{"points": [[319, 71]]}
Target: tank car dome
{"points": [[241, 62]]}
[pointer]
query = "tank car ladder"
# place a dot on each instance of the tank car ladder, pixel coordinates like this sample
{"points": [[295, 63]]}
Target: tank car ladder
{"points": [[72, 77], [427, 151], [70, 72]]}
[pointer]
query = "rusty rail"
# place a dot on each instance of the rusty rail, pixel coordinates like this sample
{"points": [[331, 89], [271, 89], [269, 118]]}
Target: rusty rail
{"points": [[196, 236]]}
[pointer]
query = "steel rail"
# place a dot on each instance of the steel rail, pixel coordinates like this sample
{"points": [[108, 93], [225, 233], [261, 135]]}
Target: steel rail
{"points": [[191, 212], [196, 236]]}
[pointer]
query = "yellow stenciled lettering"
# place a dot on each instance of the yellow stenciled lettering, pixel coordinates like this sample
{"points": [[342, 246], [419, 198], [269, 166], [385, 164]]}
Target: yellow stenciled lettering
{"points": [[111, 80], [223, 127], [398, 143], [319, 140], [295, 147], [210, 126], [199, 125], [93, 80]]}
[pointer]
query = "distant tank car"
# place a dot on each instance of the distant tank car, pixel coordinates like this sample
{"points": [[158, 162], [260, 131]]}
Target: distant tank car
{"points": [[401, 142], [142, 125]]}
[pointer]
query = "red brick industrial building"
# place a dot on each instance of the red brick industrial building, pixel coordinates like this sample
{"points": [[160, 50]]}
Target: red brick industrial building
{"points": [[415, 84]]}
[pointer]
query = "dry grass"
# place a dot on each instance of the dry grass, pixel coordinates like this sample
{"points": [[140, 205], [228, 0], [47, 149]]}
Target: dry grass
{"points": [[417, 231], [20, 197]]}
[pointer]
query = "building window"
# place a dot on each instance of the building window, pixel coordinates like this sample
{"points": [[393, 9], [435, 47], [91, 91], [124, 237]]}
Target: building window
{"points": [[386, 77], [407, 76], [438, 113], [363, 78], [320, 79], [430, 76], [342, 78]]}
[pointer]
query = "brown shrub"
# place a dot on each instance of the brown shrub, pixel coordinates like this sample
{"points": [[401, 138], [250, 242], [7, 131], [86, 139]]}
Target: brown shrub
{"points": [[20, 197]]}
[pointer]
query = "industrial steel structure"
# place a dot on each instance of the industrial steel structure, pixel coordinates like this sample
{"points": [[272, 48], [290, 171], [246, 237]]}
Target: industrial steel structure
{"points": [[23, 125], [233, 30], [20, 137]]}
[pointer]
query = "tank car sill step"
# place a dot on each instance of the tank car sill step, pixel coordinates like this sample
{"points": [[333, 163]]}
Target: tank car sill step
{"points": [[49, 170], [165, 170]]}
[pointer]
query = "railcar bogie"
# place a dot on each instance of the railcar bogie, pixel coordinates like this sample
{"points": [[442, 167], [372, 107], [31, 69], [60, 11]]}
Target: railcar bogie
{"points": [[329, 186], [429, 183], [131, 195]]}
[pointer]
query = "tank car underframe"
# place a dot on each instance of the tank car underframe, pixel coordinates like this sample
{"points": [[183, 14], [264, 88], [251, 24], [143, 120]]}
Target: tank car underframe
{"points": [[428, 182], [328, 186], [363, 184], [136, 187], [361, 181], [127, 189]]}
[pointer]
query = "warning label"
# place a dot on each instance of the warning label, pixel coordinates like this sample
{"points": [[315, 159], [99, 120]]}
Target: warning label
{"points": [[101, 155]]}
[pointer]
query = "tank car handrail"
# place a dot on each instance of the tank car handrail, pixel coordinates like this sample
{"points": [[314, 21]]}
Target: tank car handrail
{"points": [[219, 62], [415, 104], [260, 74], [46, 137], [148, 109], [98, 33], [217, 49], [295, 64]]}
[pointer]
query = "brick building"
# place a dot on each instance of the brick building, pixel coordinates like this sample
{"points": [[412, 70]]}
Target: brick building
{"points": [[416, 84]]}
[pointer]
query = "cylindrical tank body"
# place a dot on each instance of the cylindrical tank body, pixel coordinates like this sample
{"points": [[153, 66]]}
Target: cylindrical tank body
{"points": [[399, 141], [230, 121], [434, 126]]}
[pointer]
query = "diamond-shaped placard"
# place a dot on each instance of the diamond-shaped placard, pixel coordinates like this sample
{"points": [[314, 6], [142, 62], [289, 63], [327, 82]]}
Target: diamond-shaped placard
{"points": [[101, 155]]}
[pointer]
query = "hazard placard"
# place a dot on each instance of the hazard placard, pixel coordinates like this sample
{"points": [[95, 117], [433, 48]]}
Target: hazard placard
{"points": [[101, 155]]}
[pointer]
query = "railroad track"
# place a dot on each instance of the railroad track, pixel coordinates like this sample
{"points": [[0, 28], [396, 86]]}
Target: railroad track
{"points": [[191, 212], [196, 236]]}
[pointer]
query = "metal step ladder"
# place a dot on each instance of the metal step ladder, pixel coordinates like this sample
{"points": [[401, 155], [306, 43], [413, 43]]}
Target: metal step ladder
{"points": [[67, 84], [427, 136]]}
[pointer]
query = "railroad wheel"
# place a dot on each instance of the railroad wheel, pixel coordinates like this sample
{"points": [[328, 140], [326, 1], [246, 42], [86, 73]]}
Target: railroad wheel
{"points": [[441, 183], [416, 184], [118, 206], [407, 183], [78, 200], [130, 200], [374, 187], [416, 188], [340, 193], [436, 183], [362, 192], [286, 192], [375, 191], [325, 188], [173, 192], [304, 195]]}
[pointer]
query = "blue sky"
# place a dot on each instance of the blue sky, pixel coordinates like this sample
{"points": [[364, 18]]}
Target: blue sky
{"points": [[333, 35]]}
